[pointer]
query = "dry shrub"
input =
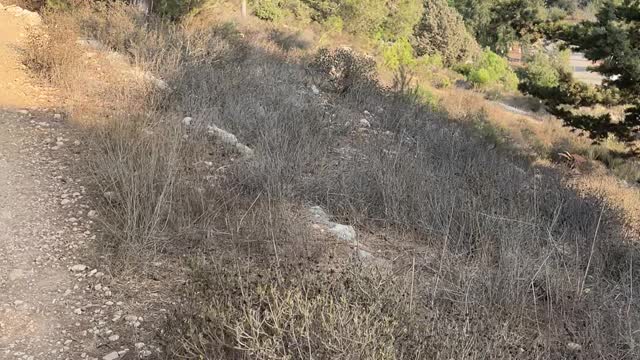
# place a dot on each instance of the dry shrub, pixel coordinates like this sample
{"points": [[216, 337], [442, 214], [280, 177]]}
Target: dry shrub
{"points": [[344, 69], [123, 27], [52, 52], [292, 312]]}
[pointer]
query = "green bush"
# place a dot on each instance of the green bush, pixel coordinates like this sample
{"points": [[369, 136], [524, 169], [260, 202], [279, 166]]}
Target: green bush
{"points": [[175, 9], [403, 17], [491, 71], [363, 17], [399, 53], [269, 10], [333, 24]]}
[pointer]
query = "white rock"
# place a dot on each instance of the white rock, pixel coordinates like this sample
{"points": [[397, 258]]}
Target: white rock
{"points": [[111, 356], [114, 337], [57, 116], [187, 121], [574, 347], [365, 123], [319, 215], [343, 232], [77, 311], [315, 89], [363, 254], [130, 318], [109, 195], [139, 345], [78, 268]]}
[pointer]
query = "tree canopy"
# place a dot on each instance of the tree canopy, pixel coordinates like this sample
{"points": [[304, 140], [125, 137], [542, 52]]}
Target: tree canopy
{"points": [[612, 41]]}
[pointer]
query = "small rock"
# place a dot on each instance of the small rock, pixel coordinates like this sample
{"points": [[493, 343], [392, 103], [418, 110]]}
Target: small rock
{"points": [[139, 345], [57, 116], [92, 214], [111, 356], [18, 302], [130, 318], [65, 202], [187, 121], [114, 337], [77, 311], [77, 143], [574, 347], [365, 123], [315, 89], [343, 232], [109, 195], [23, 112], [78, 268]]}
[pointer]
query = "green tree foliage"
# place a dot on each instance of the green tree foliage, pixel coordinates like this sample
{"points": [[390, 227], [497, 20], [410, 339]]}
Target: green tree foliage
{"points": [[402, 17], [389, 19], [441, 30], [477, 15], [364, 17], [613, 41], [499, 23]]}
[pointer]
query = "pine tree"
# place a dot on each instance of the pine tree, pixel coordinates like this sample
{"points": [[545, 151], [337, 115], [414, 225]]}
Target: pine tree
{"points": [[613, 42]]}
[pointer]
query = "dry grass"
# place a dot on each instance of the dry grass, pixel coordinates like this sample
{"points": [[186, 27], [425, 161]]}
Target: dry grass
{"points": [[506, 261], [54, 54]]}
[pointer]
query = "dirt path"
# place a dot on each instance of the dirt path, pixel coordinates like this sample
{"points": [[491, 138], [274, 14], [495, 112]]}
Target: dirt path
{"points": [[52, 306]]}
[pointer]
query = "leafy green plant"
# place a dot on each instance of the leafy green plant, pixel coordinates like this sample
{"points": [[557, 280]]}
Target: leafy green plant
{"points": [[491, 71], [175, 9], [399, 53], [269, 10], [363, 17]]}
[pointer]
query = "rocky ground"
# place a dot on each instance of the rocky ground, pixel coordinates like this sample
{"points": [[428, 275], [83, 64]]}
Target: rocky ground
{"points": [[56, 301]]}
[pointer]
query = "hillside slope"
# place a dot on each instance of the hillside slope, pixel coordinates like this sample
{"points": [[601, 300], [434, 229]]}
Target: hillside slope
{"points": [[353, 222]]}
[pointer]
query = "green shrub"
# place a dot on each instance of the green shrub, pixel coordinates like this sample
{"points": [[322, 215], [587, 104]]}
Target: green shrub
{"points": [[175, 9], [491, 70], [434, 61], [403, 17], [399, 53], [333, 24], [269, 10], [363, 17]]}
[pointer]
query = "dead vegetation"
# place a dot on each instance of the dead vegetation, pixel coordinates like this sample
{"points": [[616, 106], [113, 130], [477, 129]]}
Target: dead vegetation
{"points": [[488, 256]]}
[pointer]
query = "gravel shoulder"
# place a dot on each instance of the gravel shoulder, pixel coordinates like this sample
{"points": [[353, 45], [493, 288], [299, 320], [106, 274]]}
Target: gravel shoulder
{"points": [[53, 304]]}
